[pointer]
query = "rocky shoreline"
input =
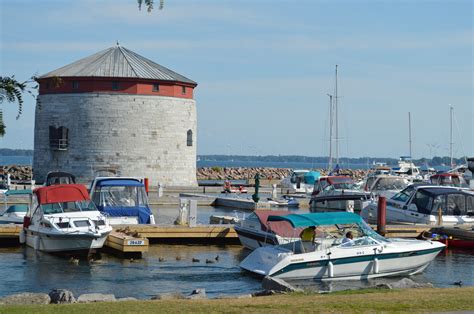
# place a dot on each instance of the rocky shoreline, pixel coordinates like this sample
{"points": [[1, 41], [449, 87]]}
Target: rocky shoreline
{"points": [[270, 285], [24, 173]]}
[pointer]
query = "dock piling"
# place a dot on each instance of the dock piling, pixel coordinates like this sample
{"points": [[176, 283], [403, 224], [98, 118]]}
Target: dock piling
{"points": [[381, 215]]}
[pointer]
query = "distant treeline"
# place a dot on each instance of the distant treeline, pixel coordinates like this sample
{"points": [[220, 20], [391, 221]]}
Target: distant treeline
{"points": [[435, 161], [15, 152]]}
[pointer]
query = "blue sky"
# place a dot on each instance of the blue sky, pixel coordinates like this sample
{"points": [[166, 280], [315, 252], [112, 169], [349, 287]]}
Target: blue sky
{"points": [[264, 68]]}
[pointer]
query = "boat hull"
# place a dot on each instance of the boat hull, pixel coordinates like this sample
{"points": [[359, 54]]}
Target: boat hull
{"points": [[64, 242], [361, 270], [343, 264]]}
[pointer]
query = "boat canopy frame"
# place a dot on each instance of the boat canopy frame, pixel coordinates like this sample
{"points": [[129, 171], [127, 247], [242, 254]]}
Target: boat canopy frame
{"points": [[318, 219]]}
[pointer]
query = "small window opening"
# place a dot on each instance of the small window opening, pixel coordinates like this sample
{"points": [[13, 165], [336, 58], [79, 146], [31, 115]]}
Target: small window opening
{"points": [[183, 89], [75, 85], [156, 87], [58, 138], [189, 139], [115, 85]]}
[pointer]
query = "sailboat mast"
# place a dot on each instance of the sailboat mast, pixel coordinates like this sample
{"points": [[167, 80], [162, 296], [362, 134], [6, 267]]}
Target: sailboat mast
{"points": [[336, 122], [409, 133], [330, 131], [451, 135]]}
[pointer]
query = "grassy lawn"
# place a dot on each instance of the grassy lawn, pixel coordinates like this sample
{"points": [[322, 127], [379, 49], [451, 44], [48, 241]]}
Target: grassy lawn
{"points": [[413, 300]]}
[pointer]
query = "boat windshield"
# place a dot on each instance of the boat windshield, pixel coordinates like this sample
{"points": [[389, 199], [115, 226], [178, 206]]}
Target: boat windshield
{"points": [[68, 207], [385, 184], [327, 236], [343, 186], [120, 196], [405, 194]]}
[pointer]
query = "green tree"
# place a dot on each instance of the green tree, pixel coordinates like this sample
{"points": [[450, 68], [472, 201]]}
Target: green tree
{"points": [[11, 91], [149, 4]]}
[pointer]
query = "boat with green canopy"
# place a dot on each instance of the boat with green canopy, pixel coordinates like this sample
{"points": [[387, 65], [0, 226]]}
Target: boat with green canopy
{"points": [[343, 247]]}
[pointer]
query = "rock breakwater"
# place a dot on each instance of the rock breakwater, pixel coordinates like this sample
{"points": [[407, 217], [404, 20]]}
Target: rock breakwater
{"points": [[24, 173]]}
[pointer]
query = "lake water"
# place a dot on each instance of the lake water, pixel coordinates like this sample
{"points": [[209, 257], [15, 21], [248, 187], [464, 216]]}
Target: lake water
{"points": [[23, 269], [28, 160]]}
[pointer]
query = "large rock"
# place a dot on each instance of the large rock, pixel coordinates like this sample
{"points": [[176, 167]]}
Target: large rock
{"points": [[405, 283], [276, 284], [96, 297], [61, 296], [168, 296], [197, 294], [127, 299], [26, 298]]}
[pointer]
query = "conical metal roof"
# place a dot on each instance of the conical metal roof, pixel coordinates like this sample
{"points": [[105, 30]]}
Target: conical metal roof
{"points": [[120, 62]]}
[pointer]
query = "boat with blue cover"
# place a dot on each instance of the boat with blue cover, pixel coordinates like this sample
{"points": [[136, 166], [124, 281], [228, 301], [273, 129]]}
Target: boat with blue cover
{"points": [[332, 256], [122, 199]]}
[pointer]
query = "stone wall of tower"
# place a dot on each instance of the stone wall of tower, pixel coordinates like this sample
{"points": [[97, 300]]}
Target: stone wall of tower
{"points": [[141, 136]]}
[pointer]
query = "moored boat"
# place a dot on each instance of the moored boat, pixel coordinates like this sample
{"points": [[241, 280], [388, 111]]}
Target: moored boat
{"points": [[332, 257], [337, 193], [426, 204], [14, 214], [122, 199], [62, 218], [255, 231]]}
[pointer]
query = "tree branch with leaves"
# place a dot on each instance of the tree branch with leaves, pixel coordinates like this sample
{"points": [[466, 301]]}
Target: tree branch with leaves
{"points": [[11, 91]]}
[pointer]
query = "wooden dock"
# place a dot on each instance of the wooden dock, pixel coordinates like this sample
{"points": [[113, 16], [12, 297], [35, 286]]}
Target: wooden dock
{"points": [[136, 238], [204, 234]]}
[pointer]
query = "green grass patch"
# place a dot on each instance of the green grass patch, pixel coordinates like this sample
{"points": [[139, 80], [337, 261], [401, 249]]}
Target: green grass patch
{"points": [[356, 301]]}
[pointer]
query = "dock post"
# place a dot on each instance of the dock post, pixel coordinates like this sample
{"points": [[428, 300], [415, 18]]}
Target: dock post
{"points": [[192, 213], [381, 215], [440, 216], [160, 190], [274, 191]]}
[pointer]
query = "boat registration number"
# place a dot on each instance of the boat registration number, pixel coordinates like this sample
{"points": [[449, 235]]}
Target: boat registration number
{"points": [[136, 242]]}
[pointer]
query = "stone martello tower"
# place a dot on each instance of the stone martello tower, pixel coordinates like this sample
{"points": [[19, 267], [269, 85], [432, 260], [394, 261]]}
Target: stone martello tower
{"points": [[116, 110]]}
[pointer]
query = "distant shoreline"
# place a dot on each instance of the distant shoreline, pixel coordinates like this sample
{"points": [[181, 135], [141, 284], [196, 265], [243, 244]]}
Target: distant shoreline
{"points": [[25, 158]]}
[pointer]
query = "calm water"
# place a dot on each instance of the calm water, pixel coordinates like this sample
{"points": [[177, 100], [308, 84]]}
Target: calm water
{"points": [[23, 269]]}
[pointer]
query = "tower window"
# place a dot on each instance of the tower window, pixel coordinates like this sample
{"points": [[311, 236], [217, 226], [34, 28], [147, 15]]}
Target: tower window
{"points": [[183, 89], [58, 138], [189, 138], [75, 85], [115, 85], [156, 87]]}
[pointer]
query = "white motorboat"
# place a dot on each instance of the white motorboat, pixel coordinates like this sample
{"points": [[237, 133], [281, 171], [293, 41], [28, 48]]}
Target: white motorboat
{"points": [[424, 204], [299, 181], [254, 231], [330, 257], [14, 214], [62, 218], [337, 193], [122, 199], [384, 185], [285, 201], [407, 169]]}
